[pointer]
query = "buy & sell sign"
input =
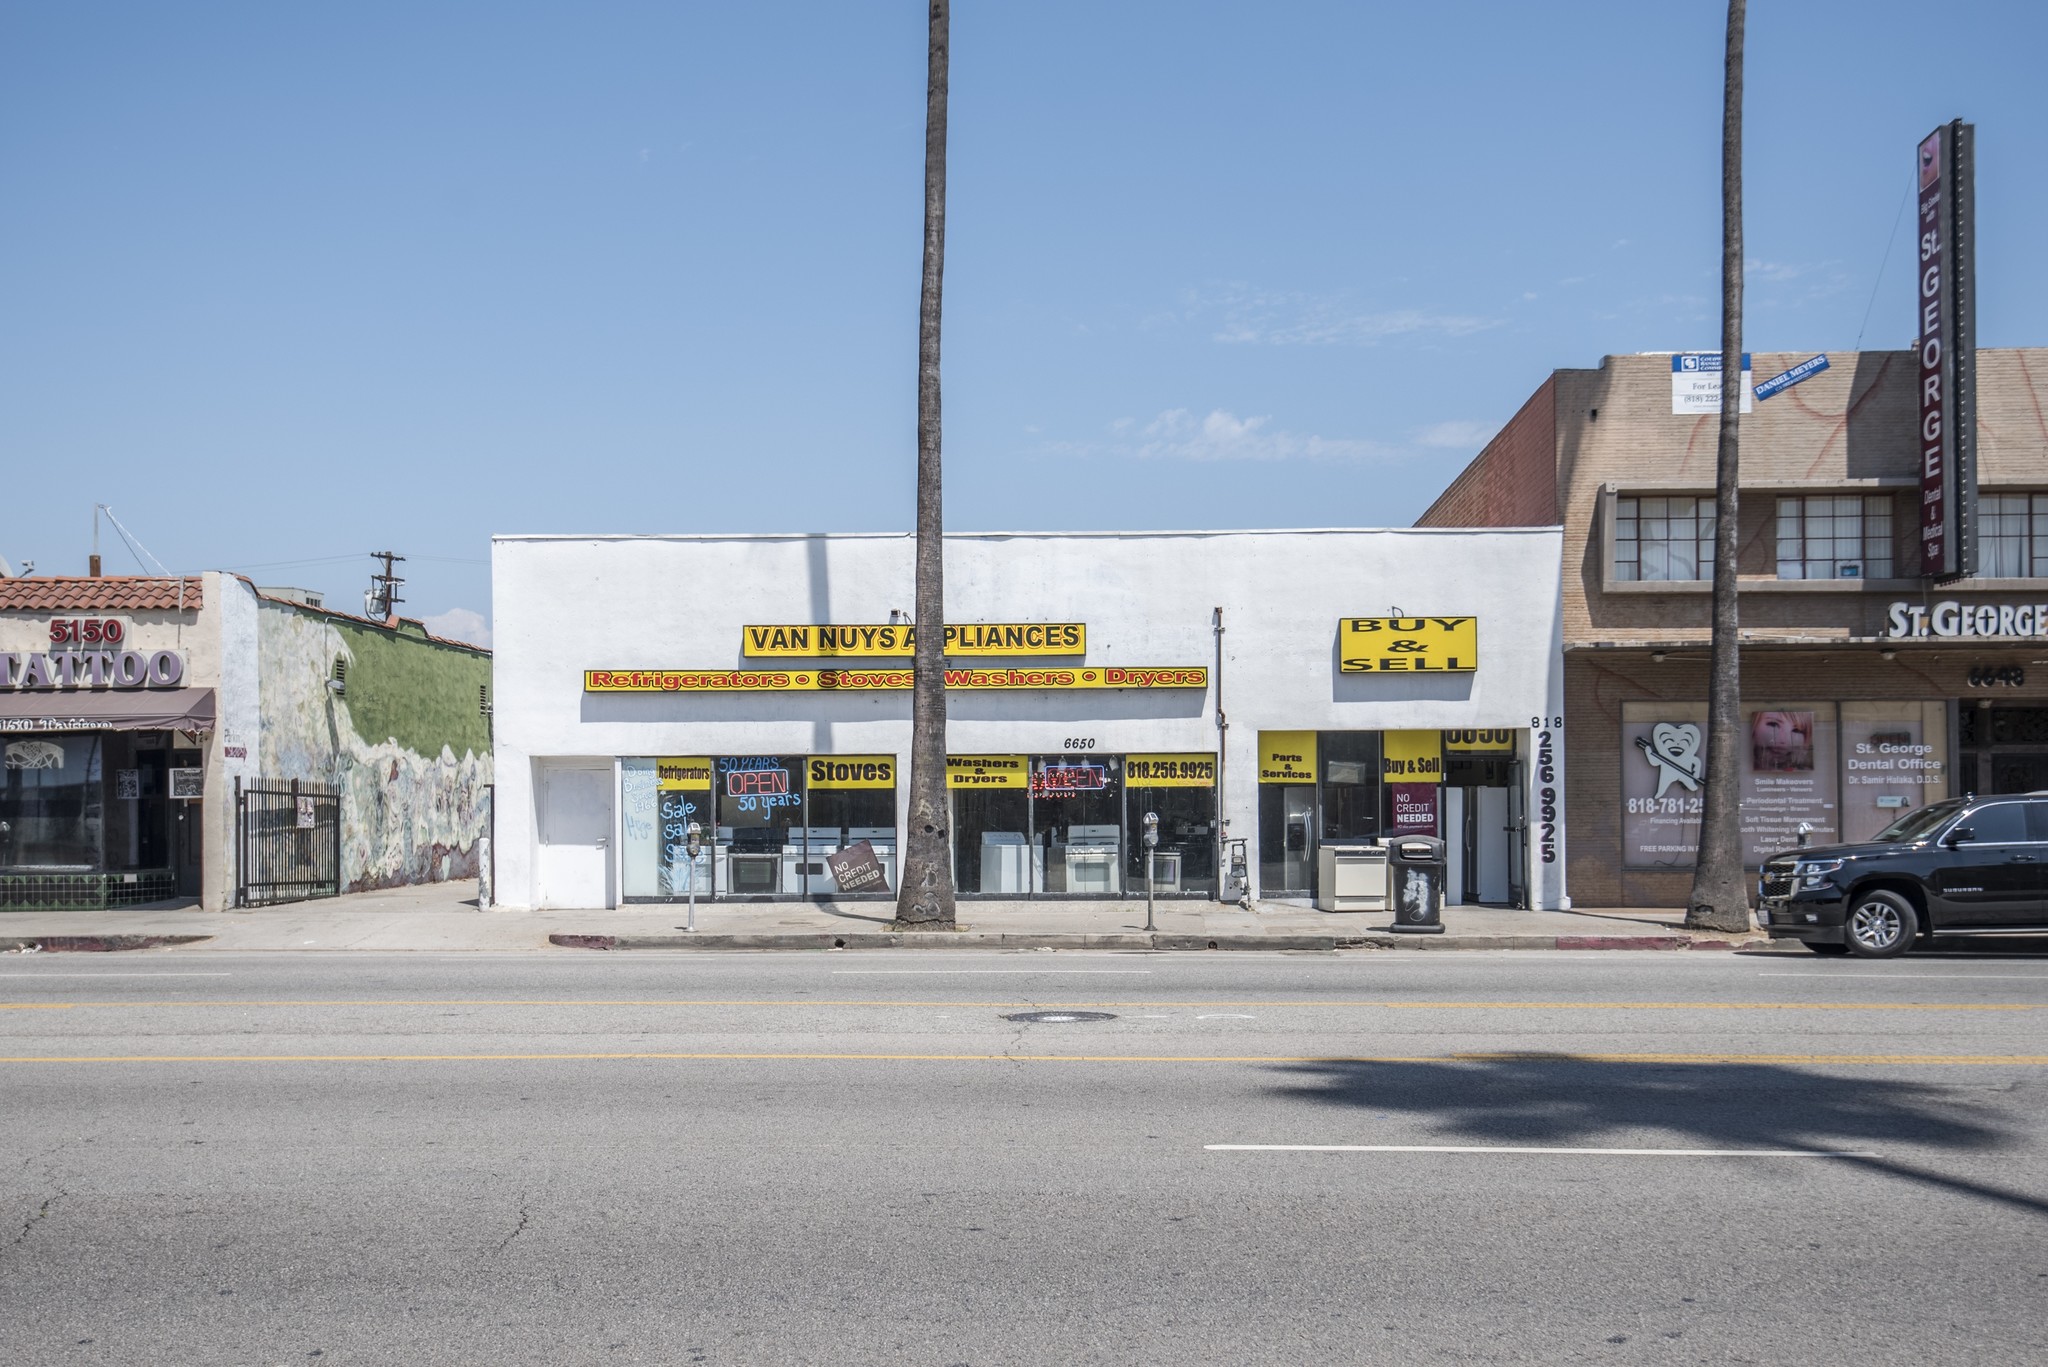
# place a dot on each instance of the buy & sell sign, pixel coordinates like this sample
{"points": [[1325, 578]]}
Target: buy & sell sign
{"points": [[1408, 645]]}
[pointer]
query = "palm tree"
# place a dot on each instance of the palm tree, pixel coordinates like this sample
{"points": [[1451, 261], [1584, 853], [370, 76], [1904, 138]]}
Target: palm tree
{"points": [[925, 901], [1720, 895]]}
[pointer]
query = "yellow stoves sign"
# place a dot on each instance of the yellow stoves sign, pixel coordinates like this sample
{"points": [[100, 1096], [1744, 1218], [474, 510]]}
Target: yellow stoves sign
{"points": [[1408, 645], [1413, 756], [851, 771], [1287, 757]]}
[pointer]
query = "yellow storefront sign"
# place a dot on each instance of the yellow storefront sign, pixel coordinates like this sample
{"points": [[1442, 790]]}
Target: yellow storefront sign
{"points": [[988, 771], [1479, 742], [683, 774], [851, 771], [892, 680], [1408, 645], [830, 641], [1170, 771], [1413, 756], [1287, 757]]}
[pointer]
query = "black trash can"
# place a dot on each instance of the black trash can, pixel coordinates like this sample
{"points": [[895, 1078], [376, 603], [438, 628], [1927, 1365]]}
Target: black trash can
{"points": [[1415, 877]]}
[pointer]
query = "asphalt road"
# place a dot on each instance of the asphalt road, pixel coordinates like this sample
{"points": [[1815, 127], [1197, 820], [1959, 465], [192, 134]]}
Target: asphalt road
{"points": [[844, 1158]]}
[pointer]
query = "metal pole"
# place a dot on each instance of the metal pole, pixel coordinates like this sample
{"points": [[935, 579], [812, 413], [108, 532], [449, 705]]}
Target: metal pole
{"points": [[691, 846], [1151, 862]]}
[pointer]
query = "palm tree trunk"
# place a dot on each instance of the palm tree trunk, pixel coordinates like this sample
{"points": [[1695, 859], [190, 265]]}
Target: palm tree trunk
{"points": [[925, 900], [1720, 892]]}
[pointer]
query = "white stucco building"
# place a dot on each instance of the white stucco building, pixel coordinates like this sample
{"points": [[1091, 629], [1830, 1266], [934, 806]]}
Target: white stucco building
{"points": [[1268, 695]]}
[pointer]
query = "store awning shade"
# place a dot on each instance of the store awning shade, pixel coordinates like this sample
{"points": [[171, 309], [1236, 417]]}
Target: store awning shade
{"points": [[179, 709]]}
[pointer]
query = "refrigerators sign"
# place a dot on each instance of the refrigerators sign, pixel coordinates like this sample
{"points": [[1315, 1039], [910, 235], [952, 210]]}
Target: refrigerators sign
{"points": [[824, 641], [677, 774], [886, 680], [1408, 645]]}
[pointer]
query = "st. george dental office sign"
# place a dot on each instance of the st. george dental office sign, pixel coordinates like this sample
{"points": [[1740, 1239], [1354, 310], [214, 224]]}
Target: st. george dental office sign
{"points": [[1951, 619]]}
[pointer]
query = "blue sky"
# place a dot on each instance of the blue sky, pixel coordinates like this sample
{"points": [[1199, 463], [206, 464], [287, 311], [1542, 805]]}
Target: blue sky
{"points": [[285, 284]]}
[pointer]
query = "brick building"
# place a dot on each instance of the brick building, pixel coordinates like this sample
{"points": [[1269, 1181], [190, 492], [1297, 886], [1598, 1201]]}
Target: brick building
{"points": [[1869, 688]]}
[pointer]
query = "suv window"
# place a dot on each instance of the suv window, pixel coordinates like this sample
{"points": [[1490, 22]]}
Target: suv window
{"points": [[2037, 821], [2002, 823]]}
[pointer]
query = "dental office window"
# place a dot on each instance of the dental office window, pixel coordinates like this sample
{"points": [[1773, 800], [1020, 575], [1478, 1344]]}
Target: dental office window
{"points": [[1835, 536], [1663, 538], [2012, 536]]}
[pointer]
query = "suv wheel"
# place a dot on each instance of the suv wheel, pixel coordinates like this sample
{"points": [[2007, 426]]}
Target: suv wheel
{"points": [[1881, 925]]}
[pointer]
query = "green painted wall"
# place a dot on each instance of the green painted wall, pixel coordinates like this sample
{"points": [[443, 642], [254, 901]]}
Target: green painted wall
{"points": [[404, 687]]}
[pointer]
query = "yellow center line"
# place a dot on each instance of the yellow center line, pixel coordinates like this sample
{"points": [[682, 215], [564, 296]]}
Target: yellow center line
{"points": [[1041, 1004], [2022, 1060]]}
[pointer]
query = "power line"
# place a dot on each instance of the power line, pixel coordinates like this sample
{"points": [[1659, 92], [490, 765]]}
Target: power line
{"points": [[1877, 283]]}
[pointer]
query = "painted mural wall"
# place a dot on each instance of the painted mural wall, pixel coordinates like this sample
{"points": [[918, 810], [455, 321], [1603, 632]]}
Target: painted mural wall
{"points": [[403, 743]]}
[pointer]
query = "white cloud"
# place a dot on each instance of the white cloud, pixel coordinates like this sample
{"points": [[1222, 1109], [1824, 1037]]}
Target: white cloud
{"points": [[460, 624], [1242, 315], [1459, 435], [1220, 435]]}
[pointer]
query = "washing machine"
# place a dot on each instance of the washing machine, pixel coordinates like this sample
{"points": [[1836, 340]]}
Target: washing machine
{"points": [[1003, 862], [1092, 859]]}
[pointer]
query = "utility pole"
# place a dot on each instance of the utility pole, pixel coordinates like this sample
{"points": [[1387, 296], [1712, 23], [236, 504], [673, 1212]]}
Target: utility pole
{"points": [[382, 600]]}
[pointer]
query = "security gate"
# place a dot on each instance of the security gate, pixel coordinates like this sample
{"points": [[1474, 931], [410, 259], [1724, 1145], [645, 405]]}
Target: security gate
{"points": [[287, 842]]}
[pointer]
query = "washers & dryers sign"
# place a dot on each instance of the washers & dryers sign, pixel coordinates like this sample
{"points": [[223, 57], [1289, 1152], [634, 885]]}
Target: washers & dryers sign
{"points": [[1696, 383]]}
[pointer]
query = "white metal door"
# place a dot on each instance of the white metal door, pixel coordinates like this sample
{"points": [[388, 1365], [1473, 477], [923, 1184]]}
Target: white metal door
{"points": [[575, 836], [1491, 840]]}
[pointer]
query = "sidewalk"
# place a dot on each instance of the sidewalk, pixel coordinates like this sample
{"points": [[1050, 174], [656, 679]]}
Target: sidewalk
{"points": [[443, 918]]}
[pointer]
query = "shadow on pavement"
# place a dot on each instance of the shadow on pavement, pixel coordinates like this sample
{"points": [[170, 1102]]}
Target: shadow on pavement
{"points": [[1554, 1100]]}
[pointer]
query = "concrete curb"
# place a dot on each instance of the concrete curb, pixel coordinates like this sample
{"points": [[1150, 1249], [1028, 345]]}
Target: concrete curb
{"points": [[93, 944], [1139, 940]]}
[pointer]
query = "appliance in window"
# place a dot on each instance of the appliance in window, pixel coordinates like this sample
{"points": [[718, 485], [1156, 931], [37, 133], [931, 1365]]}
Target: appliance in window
{"points": [[883, 838], [1091, 856], [798, 862], [1004, 861]]}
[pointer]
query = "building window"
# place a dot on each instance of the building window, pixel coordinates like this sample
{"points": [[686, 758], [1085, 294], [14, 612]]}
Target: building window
{"points": [[1663, 538], [2012, 536], [1835, 536]]}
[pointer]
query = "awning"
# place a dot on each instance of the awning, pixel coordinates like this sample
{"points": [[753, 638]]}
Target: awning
{"points": [[174, 709]]}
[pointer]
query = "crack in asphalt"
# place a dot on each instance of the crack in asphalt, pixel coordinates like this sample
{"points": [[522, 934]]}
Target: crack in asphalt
{"points": [[42, 1213], [525, 1217]]}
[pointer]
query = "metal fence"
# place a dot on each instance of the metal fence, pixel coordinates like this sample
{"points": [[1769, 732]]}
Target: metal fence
{"points": [[287, 842]]}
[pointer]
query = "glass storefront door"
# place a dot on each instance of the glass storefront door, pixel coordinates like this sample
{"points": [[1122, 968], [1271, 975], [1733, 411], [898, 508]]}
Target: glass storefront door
{"points": [[1181, 791], [1077, 825]]}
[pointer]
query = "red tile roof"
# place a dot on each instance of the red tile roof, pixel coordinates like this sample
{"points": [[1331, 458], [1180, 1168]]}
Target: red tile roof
{"points": [[129, 593]]}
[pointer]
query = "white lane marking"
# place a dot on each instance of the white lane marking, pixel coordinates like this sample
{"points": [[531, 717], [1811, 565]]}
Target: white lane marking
{"points": [[1223, 1016], [982, 972], [1942, 977], [1484, 1148], [117, 974]]}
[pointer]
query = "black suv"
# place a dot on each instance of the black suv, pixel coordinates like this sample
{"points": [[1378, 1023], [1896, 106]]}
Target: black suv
{"points": [[1967, 866]]}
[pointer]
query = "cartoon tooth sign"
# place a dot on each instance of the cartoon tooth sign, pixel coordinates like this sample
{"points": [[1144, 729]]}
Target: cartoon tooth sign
{"points": [[1673, 750]]}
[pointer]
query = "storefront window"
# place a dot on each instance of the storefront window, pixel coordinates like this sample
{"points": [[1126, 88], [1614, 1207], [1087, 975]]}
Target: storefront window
{"points": [[759, 800], [1077, 819], [1181, 791], [1287, 811], [852, 798], [1894, 759], [1350, 763], [991, 823], [662, 797], [50, 803]]}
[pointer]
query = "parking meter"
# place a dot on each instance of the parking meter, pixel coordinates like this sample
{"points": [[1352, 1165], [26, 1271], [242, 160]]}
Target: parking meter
{"points": [[1151, 845], [693, 841]]}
